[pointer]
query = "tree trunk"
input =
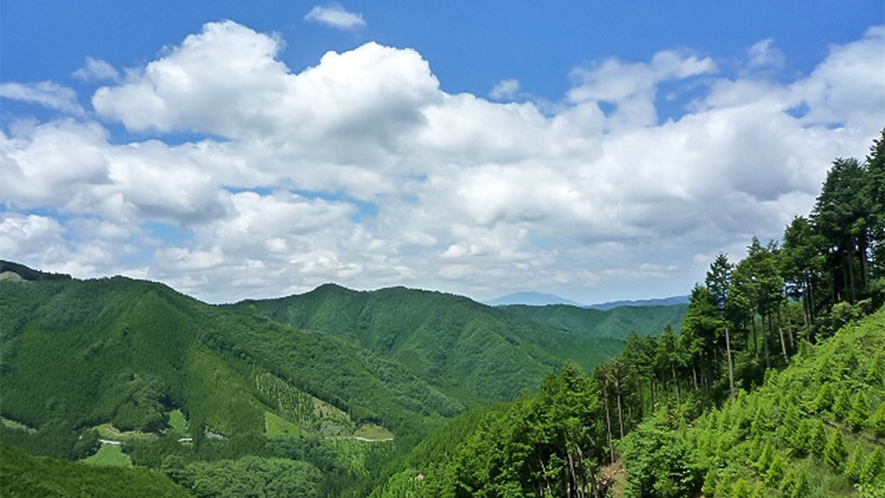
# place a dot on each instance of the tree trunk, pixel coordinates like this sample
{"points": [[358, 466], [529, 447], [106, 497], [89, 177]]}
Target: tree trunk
{"points": [[791, 331], [755, 344], [608, 423], [620, 411], [780, 331], [675, 383], [765, 341], [730, 365]]}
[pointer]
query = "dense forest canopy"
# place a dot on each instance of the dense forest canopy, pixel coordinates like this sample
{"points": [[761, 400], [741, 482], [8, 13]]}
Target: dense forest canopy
{"points": [[770, 382]]}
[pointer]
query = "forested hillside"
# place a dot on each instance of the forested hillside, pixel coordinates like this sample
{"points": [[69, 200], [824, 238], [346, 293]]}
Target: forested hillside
{"points": [[357, 379], [616, 323], [139, 364], [486, 352]]}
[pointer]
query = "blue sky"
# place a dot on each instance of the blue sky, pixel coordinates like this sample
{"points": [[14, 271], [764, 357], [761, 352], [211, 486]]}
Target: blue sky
{"points": [[596, 150]]}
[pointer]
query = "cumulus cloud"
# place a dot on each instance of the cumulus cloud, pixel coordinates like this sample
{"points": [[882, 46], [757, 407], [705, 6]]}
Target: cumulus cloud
{"points": [[47, 94], [335, 16], [763, 55], [96, 70], [361, 170], [505, 89]]}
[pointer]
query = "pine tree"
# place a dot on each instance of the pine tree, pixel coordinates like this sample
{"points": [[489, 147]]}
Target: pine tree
{"points": [[873, 467], [855, 463], [842, 407], [800, 438], [759, 491], [835, 453], [824, 398], [776, 470], [877, 421], [765, 458], [795, 484], [876, 373], [858, 413], [818, 441], [741, 489]]}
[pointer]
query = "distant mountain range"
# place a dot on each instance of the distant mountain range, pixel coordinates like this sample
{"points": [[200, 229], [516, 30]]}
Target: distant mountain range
{"points": [[541, 299], [531, 299]]}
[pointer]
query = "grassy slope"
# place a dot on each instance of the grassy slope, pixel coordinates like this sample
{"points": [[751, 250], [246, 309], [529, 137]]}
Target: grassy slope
{"points": [[475, 349]]}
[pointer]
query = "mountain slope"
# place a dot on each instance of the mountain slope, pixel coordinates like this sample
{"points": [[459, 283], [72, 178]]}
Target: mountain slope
{"points": [[76, 354], [616, 323], [450, 340]]}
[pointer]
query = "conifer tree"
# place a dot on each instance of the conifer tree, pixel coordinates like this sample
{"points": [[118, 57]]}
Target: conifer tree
{"points": [[759, 491], [776, 470], [741, 489], [765, 458], [835, 453], [842, 406], [877, 421], [859, 412], [818, 441], [876, 373], [795, 484], [873, 468], [799, 438], [855, 463], [824, 398]]}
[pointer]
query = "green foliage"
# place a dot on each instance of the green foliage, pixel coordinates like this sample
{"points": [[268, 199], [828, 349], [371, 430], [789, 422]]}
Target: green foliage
{"points": [[476, 351], [877, 422], [549, 441], [859, 412], [25, 475], [616, 323], [659, 463], [835, 452], [252, 476], [873, 467]]}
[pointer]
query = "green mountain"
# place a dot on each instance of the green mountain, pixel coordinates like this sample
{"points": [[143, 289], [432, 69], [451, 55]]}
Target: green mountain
{"points": [[308, 377], [616, 323], [451, 341], [76, 354]]}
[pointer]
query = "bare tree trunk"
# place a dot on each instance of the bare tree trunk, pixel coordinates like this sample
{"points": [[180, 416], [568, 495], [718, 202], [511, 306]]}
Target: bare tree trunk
{"points": [[675, 383], [730, 365], [780, 331], [765, 341], [755, 345], [620, 411], [608, 423], [791, 331]]}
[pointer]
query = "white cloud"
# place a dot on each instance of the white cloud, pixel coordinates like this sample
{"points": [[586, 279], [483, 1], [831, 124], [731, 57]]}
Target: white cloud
{"points": [[96, 70], [763, 55], [334, 15], [361, 170], [505, 89], [47, 94]]}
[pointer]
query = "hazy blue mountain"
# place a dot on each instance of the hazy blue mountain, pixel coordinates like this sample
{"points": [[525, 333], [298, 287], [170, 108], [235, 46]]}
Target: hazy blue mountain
{"points": [[666, 301], [531, 299]]}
